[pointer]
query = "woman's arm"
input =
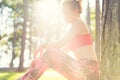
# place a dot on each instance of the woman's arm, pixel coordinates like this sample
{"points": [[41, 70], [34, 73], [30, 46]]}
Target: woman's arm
{"points": [[69, 36], [78, 28]]}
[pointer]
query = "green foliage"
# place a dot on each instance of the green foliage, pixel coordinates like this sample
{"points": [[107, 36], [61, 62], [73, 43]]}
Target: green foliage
{"points": [[14, 4], [13, 10]]}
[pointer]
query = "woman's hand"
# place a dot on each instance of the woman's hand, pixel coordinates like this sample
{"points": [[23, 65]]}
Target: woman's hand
{"points": [[54, 44], [44, 45]]}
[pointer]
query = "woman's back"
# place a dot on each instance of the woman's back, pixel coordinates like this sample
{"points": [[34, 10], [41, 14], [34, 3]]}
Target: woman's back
{"points": [[82, 44]]}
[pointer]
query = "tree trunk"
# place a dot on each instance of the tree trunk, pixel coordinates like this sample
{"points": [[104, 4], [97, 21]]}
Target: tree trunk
{"points": [[110, 46], [88, 15], [13, 46], [30, 40], [97, 42], [21, 68]]}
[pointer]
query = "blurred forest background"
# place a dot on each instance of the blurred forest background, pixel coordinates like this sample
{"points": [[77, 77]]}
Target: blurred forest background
{"points": [[26, 24]]}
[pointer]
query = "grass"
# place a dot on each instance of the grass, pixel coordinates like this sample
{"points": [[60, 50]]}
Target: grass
{"points": [[9, 75], [48, 75]]}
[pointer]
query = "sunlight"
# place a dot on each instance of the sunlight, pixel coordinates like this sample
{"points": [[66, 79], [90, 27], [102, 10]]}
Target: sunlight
{"points": [[46, 19], [47, 10]]}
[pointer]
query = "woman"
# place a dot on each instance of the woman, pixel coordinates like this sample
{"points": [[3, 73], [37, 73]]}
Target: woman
{"points": [[78, 40]]}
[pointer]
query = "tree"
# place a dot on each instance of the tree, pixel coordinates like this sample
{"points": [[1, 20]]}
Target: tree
{"points": [[13, 46], [10, 25], [21, 67], [97, 40], [88, 15], [14, 25], [110, 44]]}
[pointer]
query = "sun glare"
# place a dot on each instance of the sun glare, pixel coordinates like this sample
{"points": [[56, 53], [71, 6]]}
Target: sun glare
{"points": [[47, 10], [46, 19]]}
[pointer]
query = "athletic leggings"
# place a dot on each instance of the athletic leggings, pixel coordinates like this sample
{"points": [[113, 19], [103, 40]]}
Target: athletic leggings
{"points": [[63, 64]]}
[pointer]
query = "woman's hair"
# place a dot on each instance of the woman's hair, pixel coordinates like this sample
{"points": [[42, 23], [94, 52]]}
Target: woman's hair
{"points": [[73, 4]]}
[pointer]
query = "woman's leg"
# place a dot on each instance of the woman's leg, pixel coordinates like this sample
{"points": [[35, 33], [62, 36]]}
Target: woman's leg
{"points": [[60, 62], [91, 68], [84, 69], [65, 65], [38, 67]]}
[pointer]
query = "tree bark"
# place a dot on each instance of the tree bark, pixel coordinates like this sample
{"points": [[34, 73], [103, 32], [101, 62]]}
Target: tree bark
{"points": [[97, 42], [110, 44]]}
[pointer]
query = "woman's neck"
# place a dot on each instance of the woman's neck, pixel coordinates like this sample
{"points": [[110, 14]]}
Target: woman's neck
{"points": [[75, 20]]}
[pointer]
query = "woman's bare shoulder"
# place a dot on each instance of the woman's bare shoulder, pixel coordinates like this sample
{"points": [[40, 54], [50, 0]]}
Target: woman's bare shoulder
{"points": [[81, 26]]}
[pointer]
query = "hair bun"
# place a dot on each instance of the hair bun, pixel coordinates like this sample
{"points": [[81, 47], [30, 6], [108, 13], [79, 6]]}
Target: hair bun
{"points": [[73, 4]]}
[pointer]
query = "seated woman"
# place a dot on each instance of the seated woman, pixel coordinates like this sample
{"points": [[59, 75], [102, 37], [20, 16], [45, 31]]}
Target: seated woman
{"points": [[78, 40]]}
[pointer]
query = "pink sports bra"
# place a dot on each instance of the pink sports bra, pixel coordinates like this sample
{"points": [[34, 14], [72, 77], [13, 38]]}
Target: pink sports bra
{"points": [[80, 41]]}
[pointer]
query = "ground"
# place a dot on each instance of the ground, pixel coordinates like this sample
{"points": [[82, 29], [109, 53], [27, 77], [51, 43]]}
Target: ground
{"points": [[48, 75]]}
